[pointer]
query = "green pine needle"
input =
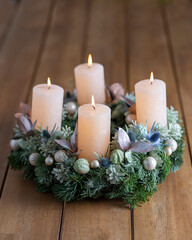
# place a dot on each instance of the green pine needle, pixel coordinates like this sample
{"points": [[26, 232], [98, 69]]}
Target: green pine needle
{"points": [[130, 182]]}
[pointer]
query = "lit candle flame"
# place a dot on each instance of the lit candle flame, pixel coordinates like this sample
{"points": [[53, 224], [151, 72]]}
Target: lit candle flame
{"points": [[151, 78], [48, 82], [93, 102], [89, 60]]}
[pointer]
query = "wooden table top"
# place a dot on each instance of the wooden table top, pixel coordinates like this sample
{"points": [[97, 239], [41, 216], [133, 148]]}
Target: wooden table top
{"points": [[130, 38]]}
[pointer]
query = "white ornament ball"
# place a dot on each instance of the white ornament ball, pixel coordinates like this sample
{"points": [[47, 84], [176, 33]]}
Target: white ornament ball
{"points": [[168, 151], [178, 126], [71, 108], [49, 161], [129, 118], [14, 144], [171, 143], [149, 163], [60, 156], [95, 164], [33, 158]]}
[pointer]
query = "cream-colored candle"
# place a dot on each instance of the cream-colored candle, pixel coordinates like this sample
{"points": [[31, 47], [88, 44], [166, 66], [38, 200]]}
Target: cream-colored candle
{"points": [[151, 104], [93, 130], [47, 104], [90, 81]]}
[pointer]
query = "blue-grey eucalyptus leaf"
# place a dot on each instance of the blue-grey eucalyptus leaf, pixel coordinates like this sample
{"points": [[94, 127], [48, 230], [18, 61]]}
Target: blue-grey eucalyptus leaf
{"points": [[123, 140], [141, 147]]}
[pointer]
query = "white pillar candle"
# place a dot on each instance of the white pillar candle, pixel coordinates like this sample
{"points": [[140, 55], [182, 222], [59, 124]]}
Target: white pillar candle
{"points": [[90, 81], [47, 104], [151, 103], [93, 130]]}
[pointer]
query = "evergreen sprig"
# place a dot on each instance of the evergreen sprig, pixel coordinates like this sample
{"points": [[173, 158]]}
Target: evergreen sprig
{"points": [[132, 182]]}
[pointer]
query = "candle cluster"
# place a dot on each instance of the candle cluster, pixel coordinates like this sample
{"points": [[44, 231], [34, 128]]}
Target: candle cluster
{"points": [[74, 162], [94, 120]]}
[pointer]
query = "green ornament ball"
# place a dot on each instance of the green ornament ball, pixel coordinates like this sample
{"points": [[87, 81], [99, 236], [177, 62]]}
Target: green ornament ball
{"points": [[33, 158], [81, 166], [171, 143], [60, 156], [117, 156], [149, 163]]}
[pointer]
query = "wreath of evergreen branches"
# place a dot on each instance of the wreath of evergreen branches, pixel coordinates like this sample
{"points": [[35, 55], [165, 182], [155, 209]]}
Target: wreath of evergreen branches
{"points": [[121, 174]]}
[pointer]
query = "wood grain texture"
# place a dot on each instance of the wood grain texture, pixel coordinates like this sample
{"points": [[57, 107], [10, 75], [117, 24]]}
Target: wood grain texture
{"points": [[40, 214], [8, 11], [27, 214], [63, 48], [102, 219], [168, 214], [131, 38], [6, 236], [24, 213], [17, 61], [178, 19], [96, 219], [106, 39]]}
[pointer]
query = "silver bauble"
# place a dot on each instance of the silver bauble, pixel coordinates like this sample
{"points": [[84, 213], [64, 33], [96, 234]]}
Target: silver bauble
{"points": [[33, 158], [171, 143], [14, 145], [71, 107], [49, 161], [129, 118], [95, 164], [149, 163], [168, 151], [60, 156]]}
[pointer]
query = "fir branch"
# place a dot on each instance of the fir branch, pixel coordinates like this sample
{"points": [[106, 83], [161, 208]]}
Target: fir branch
{"points": [[128, 180], [15, 160], [43, 173]]}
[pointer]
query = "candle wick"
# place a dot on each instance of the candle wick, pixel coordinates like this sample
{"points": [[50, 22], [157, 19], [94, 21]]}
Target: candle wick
{"points": [[93, 107], [48, 87]]}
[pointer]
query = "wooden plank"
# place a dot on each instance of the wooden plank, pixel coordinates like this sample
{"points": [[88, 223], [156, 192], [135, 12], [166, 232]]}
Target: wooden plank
{"points": [[17, 62], [179, 17], [24, 213], [102, 219], [7, 236], [33, 215], [106, 39], [63, 49], [8, 11], [168, 214], [96, 219]]}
